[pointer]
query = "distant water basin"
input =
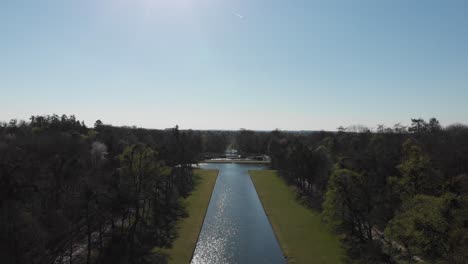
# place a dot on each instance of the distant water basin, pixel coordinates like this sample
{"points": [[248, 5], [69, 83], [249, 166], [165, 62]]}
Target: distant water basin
{"points": [[236, 229]]}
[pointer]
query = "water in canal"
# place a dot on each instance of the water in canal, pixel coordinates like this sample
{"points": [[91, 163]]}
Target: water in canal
{"points": [[236, 229]]}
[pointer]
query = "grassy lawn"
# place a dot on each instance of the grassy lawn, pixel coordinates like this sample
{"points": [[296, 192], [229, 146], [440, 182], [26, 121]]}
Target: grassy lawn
{"points": [[300, 232], [189, 228]]}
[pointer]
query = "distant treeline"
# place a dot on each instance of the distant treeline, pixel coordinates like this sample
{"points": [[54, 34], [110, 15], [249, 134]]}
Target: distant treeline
{"points": [[73, 194], [397, 195], [105, 194]]}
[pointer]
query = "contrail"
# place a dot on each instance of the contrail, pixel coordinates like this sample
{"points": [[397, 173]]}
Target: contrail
{"points": [[238, 15]]}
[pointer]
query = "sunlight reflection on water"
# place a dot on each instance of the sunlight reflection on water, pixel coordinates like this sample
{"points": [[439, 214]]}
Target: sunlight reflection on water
{"points": [[236, 229]]}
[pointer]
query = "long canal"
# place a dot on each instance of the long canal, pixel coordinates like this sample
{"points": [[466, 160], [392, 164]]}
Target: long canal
{"points": [[236, 229]]}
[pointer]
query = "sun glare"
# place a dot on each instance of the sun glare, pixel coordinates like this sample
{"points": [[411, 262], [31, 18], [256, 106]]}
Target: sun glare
{"points": [[149, 9], [165, 4], [152, 10]]}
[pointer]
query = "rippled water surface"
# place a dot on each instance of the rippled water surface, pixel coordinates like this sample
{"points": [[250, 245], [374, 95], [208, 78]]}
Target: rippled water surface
{"points": [[236, 229]]}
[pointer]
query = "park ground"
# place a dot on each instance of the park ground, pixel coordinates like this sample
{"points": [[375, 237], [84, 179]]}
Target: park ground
{"points": [[189, 228], [240, 161], [299, 230]]}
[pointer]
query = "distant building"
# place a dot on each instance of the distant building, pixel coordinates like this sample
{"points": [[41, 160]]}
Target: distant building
{"points": [[232, 154]]}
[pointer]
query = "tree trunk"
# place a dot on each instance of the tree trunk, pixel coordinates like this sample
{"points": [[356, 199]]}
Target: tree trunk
{"points": [[100, 239], [122, 225], [70, 259], [88, 224], [112, 224], [143, 209]]}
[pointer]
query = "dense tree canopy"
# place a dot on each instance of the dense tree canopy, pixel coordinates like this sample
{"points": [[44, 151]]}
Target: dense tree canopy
{"points": [[112, 190], [395, 194]]}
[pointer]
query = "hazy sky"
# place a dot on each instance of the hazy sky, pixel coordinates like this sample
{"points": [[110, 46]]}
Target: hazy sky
{"points": [[229, 64]]}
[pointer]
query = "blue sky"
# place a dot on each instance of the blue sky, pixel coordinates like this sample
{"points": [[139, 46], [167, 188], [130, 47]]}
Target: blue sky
{"points": [[258, 64]]}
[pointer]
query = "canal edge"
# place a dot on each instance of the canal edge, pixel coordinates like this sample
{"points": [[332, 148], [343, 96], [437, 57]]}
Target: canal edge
{"points": [[204, 216], [266, 214]]}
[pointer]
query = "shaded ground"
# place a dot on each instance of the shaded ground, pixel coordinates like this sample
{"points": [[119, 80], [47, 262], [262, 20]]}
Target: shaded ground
{"points": [[189, 228], [300, 232], [242, 161]]}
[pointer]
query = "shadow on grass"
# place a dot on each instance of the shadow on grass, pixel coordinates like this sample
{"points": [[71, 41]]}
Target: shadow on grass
{"points": [[153, 234]]}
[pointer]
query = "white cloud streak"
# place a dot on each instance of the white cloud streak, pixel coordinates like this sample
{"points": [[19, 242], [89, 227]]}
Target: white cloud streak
{"points": [[237, 15]]}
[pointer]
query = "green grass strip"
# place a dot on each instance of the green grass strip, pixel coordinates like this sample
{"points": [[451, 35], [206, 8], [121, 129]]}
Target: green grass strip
{"points": [[189, 228], [299, 230]]}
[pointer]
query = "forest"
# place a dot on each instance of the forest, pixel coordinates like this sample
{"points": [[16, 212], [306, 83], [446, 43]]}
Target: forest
{"points": [[105, 194], [395, 195], [73, 194]]}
